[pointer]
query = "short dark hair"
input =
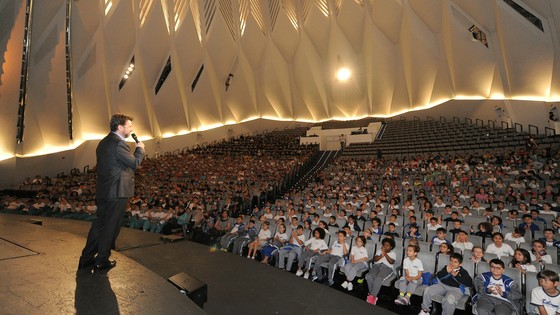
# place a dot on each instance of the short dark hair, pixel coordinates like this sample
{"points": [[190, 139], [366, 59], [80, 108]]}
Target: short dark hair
{"points": [[497, 261], [441, 230], [457, 256], [526, 216], [390, 241], [550, 274], [118, 120], [498, 234], [342, 232]]}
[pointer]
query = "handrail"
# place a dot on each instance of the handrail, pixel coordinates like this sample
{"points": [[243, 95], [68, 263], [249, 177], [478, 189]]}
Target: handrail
{"points": [[416, 118], [456, 119], [59, 174], [442, 119], [468, 120], [86, 169], [176, 152], [515, 125], [534, 127], [402, 117], [481, 122], [504, 123], [492, 123], [546, 129], [430, 118]]}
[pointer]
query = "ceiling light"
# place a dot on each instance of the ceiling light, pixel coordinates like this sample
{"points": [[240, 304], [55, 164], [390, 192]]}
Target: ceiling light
{"points": [[343, 74]]}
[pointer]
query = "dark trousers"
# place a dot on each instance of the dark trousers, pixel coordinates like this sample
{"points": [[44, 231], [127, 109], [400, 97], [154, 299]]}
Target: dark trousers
{"points": [[104, 230]]}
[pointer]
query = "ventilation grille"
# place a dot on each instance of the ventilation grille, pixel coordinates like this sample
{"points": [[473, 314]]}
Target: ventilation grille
{"points": [[179, 8], [227, 12], [257, 12], [274, 7], [209, 12], [290, 8], [323, 6], [195, 10], [144, 8], [305, 8]]}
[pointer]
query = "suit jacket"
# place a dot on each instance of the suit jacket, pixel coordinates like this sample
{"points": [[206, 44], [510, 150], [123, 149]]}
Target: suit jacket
{"points": [[115, 168]]}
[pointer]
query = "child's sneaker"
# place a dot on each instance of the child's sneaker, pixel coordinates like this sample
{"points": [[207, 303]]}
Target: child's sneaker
{"points": [[306, 275], [344, 284], [350, 286], [423, 312], [371, 299], [299, 272], [401, 300], [406, 300]]}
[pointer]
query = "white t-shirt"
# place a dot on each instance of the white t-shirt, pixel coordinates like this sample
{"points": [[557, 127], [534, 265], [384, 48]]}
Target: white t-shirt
{"points": [[264, 234], [517, 240], [337, 249], [463, 246], [497, 283], [359, 252], [383, 260], [529, 267], [414, 266], [550, 303], [315, 244], [546, 259], [282, 236], [433, 227], [301, 237], [502, 251]]}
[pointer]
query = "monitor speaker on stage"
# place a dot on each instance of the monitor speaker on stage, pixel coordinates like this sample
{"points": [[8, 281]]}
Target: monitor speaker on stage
{"points": [[195, 289]]}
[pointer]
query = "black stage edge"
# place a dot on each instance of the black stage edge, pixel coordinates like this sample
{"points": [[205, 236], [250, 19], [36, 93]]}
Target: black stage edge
{"points": [[236, 285]]}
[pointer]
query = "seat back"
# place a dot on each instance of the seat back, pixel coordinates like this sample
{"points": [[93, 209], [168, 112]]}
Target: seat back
{"points": [[482, 267], [428, 261], [476, 240], [553, 267], [531, 282]]}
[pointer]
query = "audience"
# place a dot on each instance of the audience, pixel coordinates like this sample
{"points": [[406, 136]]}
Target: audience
{"points": [[202, 189]]}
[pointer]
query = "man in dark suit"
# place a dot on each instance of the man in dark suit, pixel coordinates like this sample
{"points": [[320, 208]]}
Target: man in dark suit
{"points": [[115, 185]]}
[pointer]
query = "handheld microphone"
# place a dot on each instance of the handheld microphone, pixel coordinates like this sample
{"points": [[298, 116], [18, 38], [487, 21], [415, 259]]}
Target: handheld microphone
{"points": [[133, 135]]}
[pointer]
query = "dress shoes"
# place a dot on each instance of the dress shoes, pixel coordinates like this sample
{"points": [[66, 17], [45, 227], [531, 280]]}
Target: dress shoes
{"points": [[105, 267]]}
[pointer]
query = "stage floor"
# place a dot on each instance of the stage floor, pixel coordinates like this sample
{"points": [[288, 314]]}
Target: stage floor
{"points": [[39, 277]]}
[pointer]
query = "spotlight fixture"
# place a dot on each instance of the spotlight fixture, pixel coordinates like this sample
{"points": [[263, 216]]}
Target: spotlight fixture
{"points": [[127, 73]]}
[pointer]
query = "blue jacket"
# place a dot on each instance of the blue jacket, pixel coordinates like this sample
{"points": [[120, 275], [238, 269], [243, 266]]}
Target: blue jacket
{"points": [[512, 291]]}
